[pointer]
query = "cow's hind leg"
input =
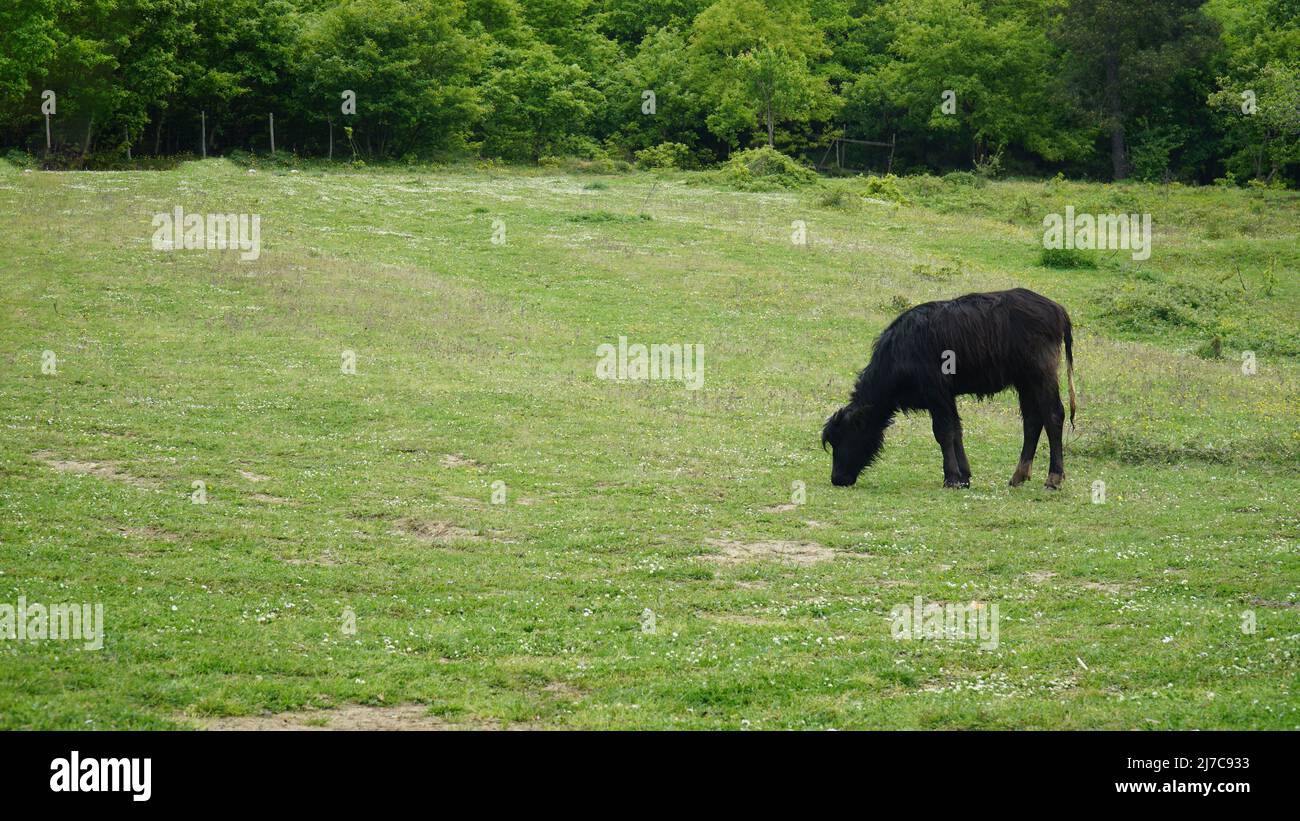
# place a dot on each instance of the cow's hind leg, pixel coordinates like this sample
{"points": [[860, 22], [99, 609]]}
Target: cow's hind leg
{"points": [[963, 465], [947, 432], [1054, 421], [1033, 422]]}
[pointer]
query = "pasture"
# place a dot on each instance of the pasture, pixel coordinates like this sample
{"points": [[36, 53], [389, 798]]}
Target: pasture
{"points": [[652, 564]]}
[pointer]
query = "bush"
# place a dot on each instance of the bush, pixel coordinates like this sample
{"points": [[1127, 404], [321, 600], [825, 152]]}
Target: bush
{"points": [[896, 305], [664, 155], [20, 159], [599, 164], [965, 178], [885, 188], [608, 216], [763, 169], [990, 166], [1211, 349], [839, 195], [1066, 258], [940, 272]]}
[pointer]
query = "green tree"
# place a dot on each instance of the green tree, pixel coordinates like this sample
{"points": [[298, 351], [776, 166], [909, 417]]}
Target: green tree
{"points": [[27, 42], [1263, 115], [536, 104], [955, 74], [240, 68], [772, 82], [741, 50], [1125, 59], [408, 63]]}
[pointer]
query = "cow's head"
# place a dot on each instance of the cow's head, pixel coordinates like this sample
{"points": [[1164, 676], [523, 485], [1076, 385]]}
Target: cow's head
{"points": [[854, 438]]}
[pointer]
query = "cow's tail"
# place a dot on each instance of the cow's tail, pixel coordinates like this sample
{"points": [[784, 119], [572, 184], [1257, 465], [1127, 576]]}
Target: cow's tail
{"points": [[1069, 367]]}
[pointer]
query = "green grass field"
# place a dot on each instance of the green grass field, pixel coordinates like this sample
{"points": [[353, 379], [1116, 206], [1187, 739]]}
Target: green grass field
{"points": [[331, 494]]}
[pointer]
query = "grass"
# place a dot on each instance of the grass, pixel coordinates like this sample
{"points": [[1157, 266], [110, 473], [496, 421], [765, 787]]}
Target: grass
{"points": [[371, 494]]}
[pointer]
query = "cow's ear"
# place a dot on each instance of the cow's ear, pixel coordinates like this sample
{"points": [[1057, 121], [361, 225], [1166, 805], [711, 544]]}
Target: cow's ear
{"points": [[832, 425]]}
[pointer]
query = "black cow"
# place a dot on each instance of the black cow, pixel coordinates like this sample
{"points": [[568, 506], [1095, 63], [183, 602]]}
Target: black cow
{"points": [[933, 353]]}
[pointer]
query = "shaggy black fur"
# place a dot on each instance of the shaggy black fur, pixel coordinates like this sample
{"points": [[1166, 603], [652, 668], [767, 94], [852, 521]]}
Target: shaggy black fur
{"points": [[990, 342]]}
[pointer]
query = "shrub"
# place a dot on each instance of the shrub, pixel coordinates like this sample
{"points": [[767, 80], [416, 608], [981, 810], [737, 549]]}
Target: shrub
{"points": [[763, 169], [896, 304], [20, 159], [608, 216], [664, 155], [1211, 349], [990, 166], [936, 272], [1066, 258], [839, 195], [965, 178], [885, 188]]}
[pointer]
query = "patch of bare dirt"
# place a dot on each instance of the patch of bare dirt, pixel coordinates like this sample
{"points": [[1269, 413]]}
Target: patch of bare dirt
{"points": [[254, 477], [739, 618], [1274, 603], [1040, 576], [269, 499], [564, 690], [102, 470], [1104, 587], [737, 552], [435, 531], [465, 500], [326, 559], [785, 508], [368, 516], [149, 533], [892, 583], [355, 717], [455, 460]]}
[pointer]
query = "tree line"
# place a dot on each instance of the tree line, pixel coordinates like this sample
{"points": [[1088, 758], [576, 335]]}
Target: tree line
{"points": [[1158, 90]]}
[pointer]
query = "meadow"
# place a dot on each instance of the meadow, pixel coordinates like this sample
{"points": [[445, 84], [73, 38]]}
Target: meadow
{"points": [[473, 530]]}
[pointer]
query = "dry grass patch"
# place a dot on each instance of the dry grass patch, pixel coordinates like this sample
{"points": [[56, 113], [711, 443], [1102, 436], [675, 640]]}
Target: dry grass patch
{"points": [[733, 552], [354, 717], [155, 533], [455, 460], [434, 531], [102, 470], [269, 499]]}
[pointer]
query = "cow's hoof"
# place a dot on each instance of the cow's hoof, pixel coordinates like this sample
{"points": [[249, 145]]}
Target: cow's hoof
{"points": [[1022, 473], [956, 483], [1054, 481]]}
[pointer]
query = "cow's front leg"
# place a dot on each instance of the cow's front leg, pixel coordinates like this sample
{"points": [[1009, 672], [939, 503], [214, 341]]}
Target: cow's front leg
{"points": [[947, 427], [963, 466]]}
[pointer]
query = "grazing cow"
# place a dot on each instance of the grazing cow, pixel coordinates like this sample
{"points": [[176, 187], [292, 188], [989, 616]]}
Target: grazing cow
{"points": [[933, 353]]}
